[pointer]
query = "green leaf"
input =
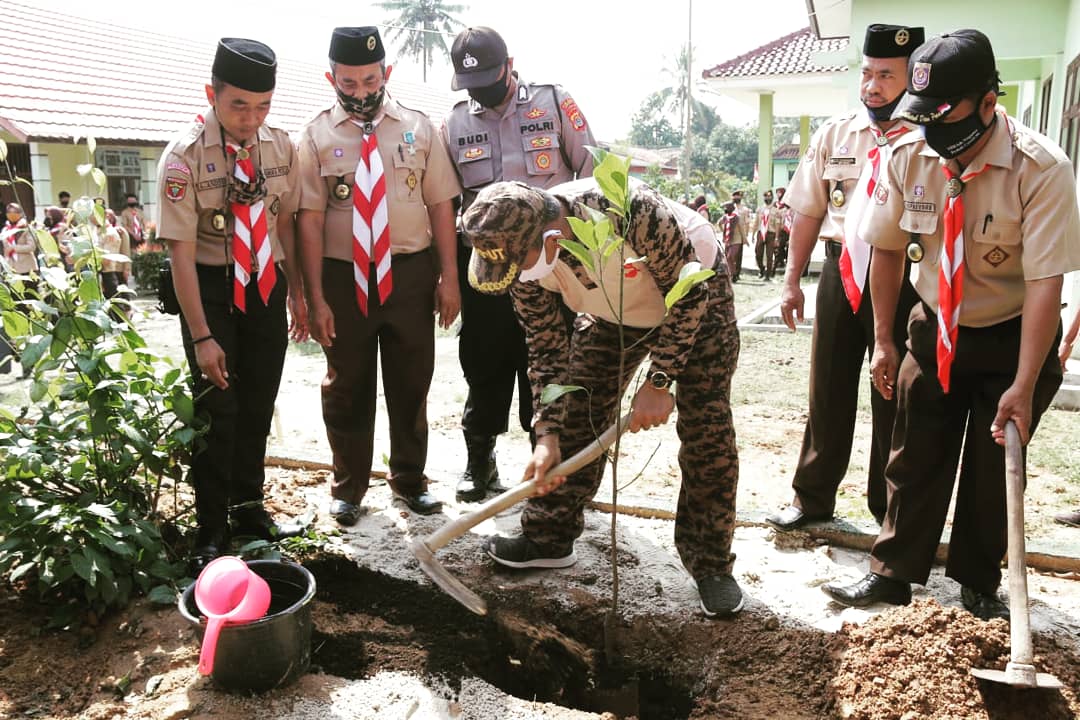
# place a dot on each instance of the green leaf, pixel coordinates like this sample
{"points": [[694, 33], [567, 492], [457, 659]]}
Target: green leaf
{"points": [[38, 390], [585, 232], [99, 178], [47, 242], [99, 212], [162, 595], [102, 511], [580, 252], [90, 291], [689, 277], [16, 325], [612, 246], [84, 169], [611, 175], [83, 568], [100, 562], [91, 144], [3, 151], [553, 392], [21, 570], [184, 407]]}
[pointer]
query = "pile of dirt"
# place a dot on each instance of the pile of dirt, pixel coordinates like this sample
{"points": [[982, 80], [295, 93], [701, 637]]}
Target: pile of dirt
{"points": [[913, 663]]}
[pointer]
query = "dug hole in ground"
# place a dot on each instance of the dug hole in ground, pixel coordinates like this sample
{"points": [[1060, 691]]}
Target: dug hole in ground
{"points": [[388, 644]]}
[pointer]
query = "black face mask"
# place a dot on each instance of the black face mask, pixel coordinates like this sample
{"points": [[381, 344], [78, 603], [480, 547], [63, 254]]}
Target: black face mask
{"points": [[133, 203], [363, 108], [737, 201], [491, 95], [884, 113], [951, 139], [768, 199]]}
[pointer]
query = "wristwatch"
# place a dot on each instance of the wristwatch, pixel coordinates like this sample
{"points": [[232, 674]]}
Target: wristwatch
{"points": [[659, 379]]}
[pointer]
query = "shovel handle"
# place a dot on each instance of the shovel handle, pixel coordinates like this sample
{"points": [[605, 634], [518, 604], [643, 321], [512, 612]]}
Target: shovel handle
{"points": [[1019, 620], [527, 489]]}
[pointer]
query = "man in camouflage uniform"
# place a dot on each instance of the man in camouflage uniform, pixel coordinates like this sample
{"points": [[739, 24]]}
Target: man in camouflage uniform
{"points": [[515, 232], [508, 129]]}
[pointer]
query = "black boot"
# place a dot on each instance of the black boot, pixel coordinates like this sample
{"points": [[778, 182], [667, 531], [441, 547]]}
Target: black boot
{"points": [[480, 474]]}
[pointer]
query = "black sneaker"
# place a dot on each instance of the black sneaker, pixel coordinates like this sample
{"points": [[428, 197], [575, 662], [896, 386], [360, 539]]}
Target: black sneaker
{"points": [[720, 596], [521, 552]]}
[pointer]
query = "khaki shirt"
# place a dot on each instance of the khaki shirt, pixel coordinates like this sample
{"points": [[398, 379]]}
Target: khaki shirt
{"points": [[1020, 219], [193, 183], [742, 225], [538, 138], [416, 166], [134, 229], [833, 162], [769, 219], [20, 248]]}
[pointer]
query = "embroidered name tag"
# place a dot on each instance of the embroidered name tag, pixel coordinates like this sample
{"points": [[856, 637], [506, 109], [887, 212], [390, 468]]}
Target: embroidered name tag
{"points": [[276, 171], [926, 207], [841, 160], [211, 183]]}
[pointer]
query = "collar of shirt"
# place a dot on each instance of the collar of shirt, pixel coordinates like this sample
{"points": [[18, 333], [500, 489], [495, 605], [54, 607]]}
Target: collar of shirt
{"points": [[861, 122], [212, 130], [390, 109]]}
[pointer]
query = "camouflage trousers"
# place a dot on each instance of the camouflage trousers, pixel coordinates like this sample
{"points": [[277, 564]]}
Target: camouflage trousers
{"points": [[705, 520]]}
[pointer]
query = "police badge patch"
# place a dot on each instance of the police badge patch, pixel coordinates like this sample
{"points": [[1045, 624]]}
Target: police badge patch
{"points": [[920, 76], [175, 189]]}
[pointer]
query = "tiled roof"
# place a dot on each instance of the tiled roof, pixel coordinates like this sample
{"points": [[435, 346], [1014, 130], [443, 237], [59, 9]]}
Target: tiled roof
{"points": [[787, 151], [789, 55], [142, 90]]}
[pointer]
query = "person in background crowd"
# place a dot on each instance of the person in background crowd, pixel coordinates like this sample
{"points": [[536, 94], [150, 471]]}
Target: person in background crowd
{"points": [[64, 199], [133, 221]]}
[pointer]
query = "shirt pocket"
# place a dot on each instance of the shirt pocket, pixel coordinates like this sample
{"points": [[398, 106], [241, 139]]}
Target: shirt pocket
{"points": [[476, 165], [997, 248], [339, 177], [408, 175], [542, 155], [843, 178]]}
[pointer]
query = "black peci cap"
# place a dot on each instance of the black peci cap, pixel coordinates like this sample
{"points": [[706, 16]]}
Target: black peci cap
{"points": [[247, 64], [892, 41], [478, 55], [356, 46], [945, 70]]}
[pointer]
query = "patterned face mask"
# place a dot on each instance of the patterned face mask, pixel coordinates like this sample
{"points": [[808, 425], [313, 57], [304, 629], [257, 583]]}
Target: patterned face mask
{"points": [[364, 108]]}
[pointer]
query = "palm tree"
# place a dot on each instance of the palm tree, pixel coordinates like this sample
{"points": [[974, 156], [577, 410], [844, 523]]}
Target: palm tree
{"points": [[425, 25]]}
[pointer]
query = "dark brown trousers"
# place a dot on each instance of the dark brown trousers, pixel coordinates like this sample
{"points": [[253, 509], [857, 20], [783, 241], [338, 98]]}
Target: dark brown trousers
{"points": [[842, 340], [931, 428], [402, 332]]}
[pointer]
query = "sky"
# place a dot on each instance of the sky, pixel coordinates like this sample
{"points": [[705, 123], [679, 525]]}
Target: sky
{"points": [[610, 55]]}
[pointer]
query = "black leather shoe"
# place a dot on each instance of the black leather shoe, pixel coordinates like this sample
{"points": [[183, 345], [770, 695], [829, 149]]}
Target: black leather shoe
{"points": [[871, 589], [985, 606], [263, 527], [345, 513], [209, 546], [792, 518], [422, 503], [481, 473]]}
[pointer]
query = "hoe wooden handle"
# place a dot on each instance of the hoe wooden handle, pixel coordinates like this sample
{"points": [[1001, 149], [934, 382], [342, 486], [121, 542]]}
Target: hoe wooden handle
{"points": [[527, 489]]}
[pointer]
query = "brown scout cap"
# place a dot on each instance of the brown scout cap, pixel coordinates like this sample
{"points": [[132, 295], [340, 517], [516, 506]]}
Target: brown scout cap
{"points": [[502, 224]]}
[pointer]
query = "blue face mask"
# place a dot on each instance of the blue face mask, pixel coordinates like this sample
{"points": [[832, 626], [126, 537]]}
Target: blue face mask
{"points": [[952, 139]]}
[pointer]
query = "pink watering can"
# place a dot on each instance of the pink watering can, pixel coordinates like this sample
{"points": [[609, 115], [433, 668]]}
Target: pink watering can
{"points": [[227, 592]]}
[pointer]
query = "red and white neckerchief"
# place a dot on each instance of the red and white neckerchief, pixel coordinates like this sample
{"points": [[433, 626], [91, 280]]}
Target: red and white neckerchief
{"points": [[951, 272], [250, 237], [855, 255], [371, 221], [9, 244], [136, 226], [763, 222]]}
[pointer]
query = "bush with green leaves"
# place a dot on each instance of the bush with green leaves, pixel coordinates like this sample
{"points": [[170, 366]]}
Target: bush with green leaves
{"points": [[82, 512], [145, 266]]}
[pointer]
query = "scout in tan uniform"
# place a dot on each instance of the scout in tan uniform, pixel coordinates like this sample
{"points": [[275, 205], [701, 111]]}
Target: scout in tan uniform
{"points": [[509, 129], [767, 222], [132, 220], [20, 248], [234, 334], [822, 193], [740, 234], [376, 187], [515, 231], [994, 202]]}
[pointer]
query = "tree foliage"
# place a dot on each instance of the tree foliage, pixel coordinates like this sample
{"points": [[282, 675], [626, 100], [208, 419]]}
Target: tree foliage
{"points": [[424, 25]]}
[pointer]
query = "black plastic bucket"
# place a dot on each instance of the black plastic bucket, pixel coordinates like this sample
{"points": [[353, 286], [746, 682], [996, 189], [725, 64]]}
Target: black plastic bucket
{"points": [[273, 651]]}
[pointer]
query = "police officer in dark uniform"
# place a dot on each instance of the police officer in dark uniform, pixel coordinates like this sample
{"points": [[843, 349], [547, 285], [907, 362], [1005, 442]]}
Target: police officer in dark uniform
{"points": [[509, 129], [233, 320]]}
